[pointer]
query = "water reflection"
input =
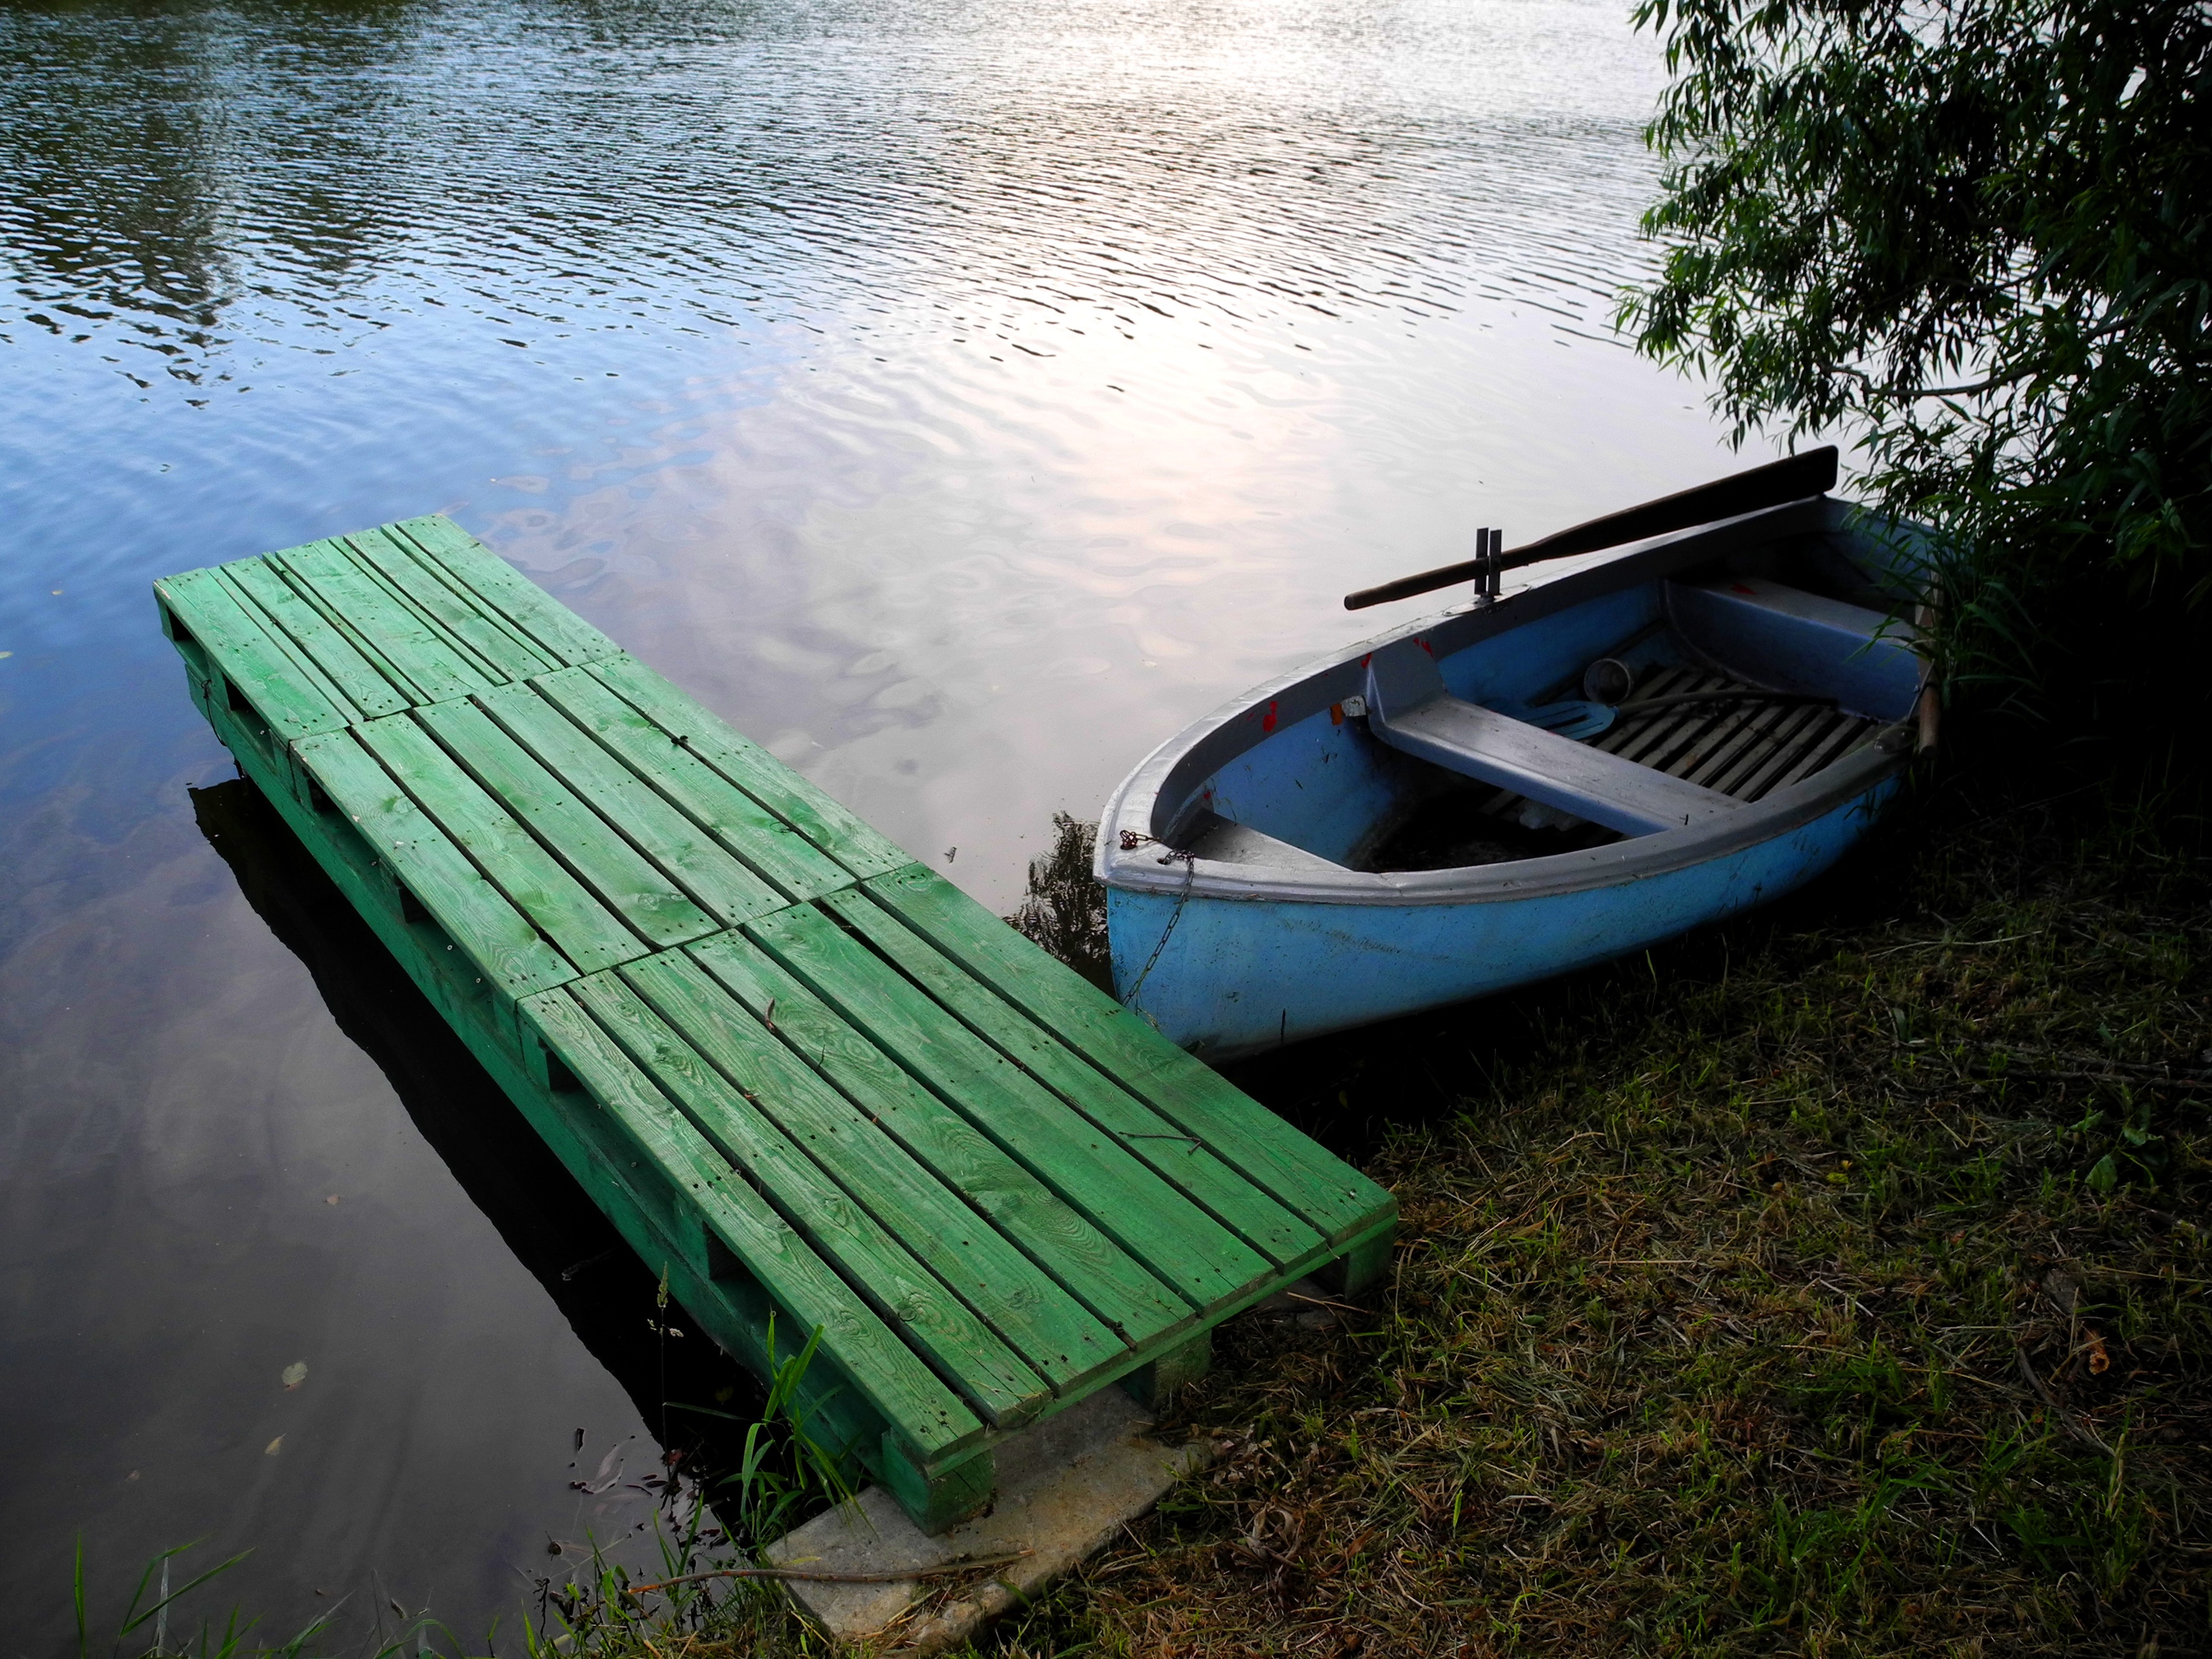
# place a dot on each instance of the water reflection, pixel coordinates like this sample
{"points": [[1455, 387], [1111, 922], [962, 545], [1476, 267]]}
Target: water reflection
{"points": [[111, 250], [555, 1233], [958, 397], [1030, 174]]}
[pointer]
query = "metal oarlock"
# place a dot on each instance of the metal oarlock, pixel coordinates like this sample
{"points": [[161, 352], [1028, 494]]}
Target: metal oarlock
{"points": [[1489, 573]]}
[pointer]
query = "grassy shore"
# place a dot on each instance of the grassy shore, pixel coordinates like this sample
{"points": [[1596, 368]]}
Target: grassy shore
{"points": [[1830, 1282]]}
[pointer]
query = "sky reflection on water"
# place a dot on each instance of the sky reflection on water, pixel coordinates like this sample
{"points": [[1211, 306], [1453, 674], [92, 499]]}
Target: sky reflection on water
{"points": [[958, 397]]}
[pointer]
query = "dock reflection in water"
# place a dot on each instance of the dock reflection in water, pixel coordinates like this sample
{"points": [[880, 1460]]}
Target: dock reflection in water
{"points": [[609, 1297], [604, 1291]]}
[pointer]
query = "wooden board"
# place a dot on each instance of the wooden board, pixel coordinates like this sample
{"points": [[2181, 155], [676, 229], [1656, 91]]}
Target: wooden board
{"points": [[1324, 1190], [783, 857], [1556, 771], [1115, 1288], [815, 1083]]}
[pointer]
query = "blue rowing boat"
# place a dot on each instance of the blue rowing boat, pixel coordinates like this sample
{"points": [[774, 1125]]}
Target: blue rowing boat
{"points": [[1532, 783]]}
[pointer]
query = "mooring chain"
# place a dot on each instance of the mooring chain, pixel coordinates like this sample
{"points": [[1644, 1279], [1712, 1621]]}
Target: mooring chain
{"points": [[1132, 840]]}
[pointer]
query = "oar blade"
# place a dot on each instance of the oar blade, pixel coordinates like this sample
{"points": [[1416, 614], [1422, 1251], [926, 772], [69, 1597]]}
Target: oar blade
{"points": [[1790, 479]]}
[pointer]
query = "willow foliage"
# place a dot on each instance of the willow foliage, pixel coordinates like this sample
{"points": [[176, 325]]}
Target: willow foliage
{"points": [[1973, 233]]}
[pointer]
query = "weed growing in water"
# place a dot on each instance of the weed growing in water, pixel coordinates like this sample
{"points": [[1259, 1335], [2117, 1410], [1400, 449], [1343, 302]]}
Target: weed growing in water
{"points": [[1063, 906], [782, 1470], [700, 1603], [706, 1527], [231, 1642]]}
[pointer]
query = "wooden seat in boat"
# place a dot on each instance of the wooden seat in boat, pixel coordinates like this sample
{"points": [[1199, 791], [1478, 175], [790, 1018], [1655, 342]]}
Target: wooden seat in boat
{"points": [[1409, 709]]}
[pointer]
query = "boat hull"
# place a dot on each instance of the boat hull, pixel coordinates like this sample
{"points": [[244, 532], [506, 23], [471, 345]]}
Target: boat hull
{"points": [[1234, 977], [1255, 893]]}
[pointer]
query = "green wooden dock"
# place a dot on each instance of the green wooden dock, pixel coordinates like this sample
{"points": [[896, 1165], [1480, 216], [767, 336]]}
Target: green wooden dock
{"points": [[814, 1082]]}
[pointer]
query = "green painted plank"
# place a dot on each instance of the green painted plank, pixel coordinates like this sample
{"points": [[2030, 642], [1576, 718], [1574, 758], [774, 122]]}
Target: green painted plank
{"points": [[533, 881], [1193, 1169], [745, 827], [1122, 1196], [402, 643], [373, 653], [822, 821], [692, 858], [1052, 1332], [494, 935], [458, 650], [307, 673], [1327, 1191], [886, 1373], [499, 648], [594, 852], [355, 677], [464, 991], [248, 656], [733, 1311], [556, 629], [971, 1359], [598, 853], [1118, 1289]]}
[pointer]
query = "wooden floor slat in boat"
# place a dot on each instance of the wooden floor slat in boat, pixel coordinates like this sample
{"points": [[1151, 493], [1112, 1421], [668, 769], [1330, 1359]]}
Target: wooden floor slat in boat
{"points": [[1746, 749]]}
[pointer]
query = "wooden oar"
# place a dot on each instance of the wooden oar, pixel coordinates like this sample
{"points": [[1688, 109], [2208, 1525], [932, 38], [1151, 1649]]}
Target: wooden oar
{"points": [[1790, 479]]}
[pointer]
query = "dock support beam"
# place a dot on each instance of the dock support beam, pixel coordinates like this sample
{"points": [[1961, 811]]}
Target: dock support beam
{"points": [[936, 1504], [1152, 1386], [1364, 1264]]}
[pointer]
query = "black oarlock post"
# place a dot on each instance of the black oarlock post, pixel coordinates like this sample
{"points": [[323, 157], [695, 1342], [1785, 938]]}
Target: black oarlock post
{"points": [[1797, 477]]}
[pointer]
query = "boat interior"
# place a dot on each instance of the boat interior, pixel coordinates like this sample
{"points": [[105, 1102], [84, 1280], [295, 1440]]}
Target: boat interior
{"points": [[1616, 708]]}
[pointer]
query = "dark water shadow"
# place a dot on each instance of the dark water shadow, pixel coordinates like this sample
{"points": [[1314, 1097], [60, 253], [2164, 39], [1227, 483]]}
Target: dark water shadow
{"points": [[607, 1295]]}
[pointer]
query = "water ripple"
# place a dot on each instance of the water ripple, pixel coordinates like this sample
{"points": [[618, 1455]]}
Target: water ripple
{"points": [[193, 185]]}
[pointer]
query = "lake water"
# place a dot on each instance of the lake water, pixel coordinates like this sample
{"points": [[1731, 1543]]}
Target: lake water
{"points": [[958, 397]]}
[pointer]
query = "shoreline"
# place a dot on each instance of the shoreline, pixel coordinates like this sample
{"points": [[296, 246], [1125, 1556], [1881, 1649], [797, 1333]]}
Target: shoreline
{"points": [[1826, 1280]]}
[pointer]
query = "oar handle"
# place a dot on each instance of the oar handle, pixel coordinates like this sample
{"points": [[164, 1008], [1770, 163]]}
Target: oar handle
{"points": [[1790, 479]]}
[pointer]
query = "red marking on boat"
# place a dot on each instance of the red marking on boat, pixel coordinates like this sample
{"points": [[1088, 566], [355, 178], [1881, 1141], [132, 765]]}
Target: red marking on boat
{"points": [[1267, 720], [1741, 588], [1336, 713]]}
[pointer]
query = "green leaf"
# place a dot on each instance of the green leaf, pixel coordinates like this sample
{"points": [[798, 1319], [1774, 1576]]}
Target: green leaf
{"points": [[1973, 236]]}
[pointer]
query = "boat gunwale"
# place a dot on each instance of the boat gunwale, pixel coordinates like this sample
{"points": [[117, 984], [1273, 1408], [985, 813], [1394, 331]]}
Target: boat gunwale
{"points": [[1212, 741]]}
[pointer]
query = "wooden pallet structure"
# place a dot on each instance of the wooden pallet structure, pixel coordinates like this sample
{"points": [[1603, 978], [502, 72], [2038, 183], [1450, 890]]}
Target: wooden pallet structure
{"points": [[815, 1083]]}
